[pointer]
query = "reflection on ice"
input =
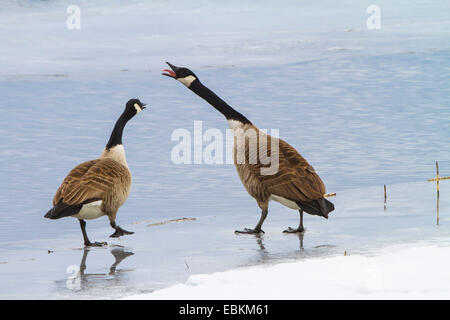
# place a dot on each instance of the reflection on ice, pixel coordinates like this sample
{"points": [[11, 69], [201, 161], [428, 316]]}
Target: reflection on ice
{"points": [[260, 241], [119, 255], [80, 280]]}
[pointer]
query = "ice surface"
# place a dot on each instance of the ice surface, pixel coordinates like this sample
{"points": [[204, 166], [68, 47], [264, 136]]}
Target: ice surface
{"points": [[366, 108]]}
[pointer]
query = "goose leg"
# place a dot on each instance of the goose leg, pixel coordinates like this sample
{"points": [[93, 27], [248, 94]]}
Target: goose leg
{"points": [[88, 243], [119, 231], [257, 229], [300, 227]]}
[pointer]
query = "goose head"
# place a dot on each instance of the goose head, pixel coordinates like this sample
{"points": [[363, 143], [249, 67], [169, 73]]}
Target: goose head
{"points": [[133, 107], [184, 75]]}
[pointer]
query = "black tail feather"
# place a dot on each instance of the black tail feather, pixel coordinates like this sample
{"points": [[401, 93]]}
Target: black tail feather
{"points": [[321, 207], [62, 210]]}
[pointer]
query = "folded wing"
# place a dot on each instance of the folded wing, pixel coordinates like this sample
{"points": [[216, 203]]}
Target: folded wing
{"points": [[88, 182]]}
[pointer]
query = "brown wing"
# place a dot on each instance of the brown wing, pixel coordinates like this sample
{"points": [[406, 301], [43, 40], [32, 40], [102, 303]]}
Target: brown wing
{"points": [[91, 181], [295, 179]]}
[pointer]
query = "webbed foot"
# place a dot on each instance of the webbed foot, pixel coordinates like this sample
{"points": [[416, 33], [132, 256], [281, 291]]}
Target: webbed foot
{"points": [[95, 244], [120, 232], [249, 231], [292, 230]]}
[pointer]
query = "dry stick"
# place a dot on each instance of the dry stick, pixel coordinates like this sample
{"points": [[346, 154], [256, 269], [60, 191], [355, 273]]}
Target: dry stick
{"points": [[437, 185], [437, 179], [326, 195], [440, 178], [169, 221], [437, 210], [385, 197]]}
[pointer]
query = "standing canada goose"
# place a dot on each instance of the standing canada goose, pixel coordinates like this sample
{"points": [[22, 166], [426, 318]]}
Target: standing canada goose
{"points": [[295, 184], [98, 187]]}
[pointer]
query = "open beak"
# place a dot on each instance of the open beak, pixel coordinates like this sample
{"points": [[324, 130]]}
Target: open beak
{"points": [[170, 73], [143, 106]]}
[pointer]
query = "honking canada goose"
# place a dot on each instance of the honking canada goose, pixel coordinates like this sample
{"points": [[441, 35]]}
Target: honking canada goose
{"points": [[295, 184], [98, 187]]}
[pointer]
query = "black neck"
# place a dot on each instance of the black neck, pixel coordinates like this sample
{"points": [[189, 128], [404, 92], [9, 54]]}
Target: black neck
{"points": [[116, 134], [217, 102]]}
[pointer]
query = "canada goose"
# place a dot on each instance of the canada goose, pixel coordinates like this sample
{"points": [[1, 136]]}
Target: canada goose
{"points": [[98, 187], [295, 184]]}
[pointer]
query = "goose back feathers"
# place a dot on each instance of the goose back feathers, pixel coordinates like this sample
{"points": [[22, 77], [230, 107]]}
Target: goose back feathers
{"points": [[104, 183]]}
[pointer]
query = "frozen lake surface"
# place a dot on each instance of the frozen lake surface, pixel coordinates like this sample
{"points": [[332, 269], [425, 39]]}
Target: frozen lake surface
{"points": [[365, 107]]}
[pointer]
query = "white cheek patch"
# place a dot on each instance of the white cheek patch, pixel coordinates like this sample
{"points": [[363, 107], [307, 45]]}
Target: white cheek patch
{"points": [[137, 107], [187, 80]]}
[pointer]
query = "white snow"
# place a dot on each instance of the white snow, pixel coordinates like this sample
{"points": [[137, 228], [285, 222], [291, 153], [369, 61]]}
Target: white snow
{"points": [[420, 272]]}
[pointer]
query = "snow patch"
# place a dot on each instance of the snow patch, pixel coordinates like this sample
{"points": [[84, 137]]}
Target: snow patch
{"points": [[395, 273]]}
